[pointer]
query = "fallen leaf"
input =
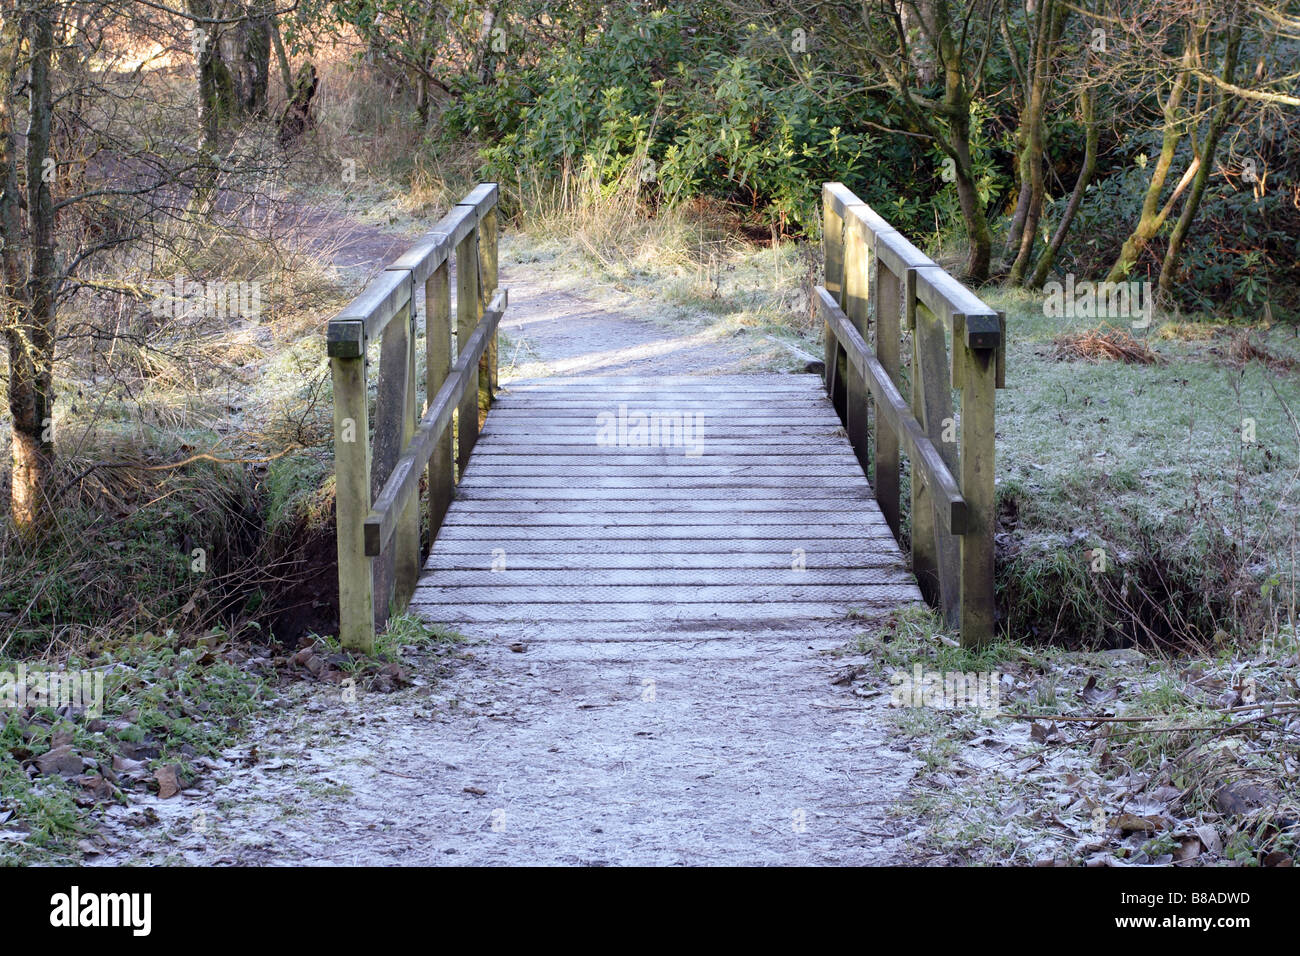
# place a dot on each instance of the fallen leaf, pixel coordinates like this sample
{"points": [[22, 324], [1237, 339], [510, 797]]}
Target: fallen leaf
{"points": [[1209, 838], [168, 781]]}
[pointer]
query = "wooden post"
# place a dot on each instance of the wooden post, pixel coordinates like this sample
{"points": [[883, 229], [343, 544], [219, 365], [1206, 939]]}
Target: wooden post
{"points": [[934, 412], [487, 254], [406, 552], [885, 478], [391, 434], [857, 292], [352, 502], [437, 345], [978, 384], [925, 562], [833, 256], [467, 312]]}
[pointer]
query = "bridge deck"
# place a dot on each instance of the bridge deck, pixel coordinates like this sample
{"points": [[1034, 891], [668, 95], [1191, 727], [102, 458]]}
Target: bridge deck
{"points": [[610, 549]]}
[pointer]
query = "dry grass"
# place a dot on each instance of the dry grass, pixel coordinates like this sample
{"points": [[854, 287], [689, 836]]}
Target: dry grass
{"points": [[1104, 344], [1243, 349], [1191, 331]]}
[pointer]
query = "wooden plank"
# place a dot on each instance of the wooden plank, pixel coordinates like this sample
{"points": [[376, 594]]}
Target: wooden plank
{"points": [[857, 306], [778, 550], [627, 462], [772, 528], [833, 259], [670, 506], [693, 383], [767, 404], [925, 559], [885, 477], [677, 596], [567, 563], [429, 253], [406, 549], [386, 295], [618, 532], [666, 495], [898, 255], [488, 288], [938, 574], [513, 576], [438, 346], [652, 421], [352, 502], [467, 309], [684, 467], [654, 519], [979, 384], [743, 611], [390, 432], [459, 222], [733, 449], [946, 297], [483, 198], [688, 482]]}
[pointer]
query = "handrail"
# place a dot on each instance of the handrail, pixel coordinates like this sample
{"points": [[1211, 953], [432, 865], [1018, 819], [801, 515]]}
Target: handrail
{"points": [[898, 413], [878, 286], [405, 479], [377, 485]]}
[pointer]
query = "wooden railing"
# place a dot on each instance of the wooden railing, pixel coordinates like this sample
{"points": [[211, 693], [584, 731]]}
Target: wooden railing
{"points": [[377, 491], [878, 286]]}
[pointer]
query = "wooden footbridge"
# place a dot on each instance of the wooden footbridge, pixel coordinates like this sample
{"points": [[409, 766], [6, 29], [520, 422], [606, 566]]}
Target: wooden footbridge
{"points": [[621, 508]]}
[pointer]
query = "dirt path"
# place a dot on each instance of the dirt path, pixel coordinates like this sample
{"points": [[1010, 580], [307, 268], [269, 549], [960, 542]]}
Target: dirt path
{"points": [[735, 747]]}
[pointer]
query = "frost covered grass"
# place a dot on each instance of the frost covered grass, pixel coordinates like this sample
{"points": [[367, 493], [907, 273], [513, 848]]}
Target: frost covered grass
{"points": [[1147, 503], [1104, 758], [170, 704]]}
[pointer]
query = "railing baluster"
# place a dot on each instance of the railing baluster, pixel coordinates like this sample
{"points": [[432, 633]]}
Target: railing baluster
{"points": [[390, 438], [978, 384], [833, 254], [406, 547], [437, 332], [856, 304], [487, 254], [885, 477], [352, 502], [467, 313], [930, 366]]}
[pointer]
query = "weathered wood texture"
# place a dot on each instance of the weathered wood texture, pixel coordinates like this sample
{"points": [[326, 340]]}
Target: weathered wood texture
{"points": [[758, 515], [878, 286], [378, 477]]}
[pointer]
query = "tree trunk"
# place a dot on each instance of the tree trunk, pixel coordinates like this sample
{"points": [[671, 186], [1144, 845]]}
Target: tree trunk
{"points": [[483, 58], [207, 65], [296, 118], [1051, 20], [956, 105], [286, 75], [254, 61], [1017, 228], [1045, 261], [1218, 121], [31, 337], [1152, 216]]}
